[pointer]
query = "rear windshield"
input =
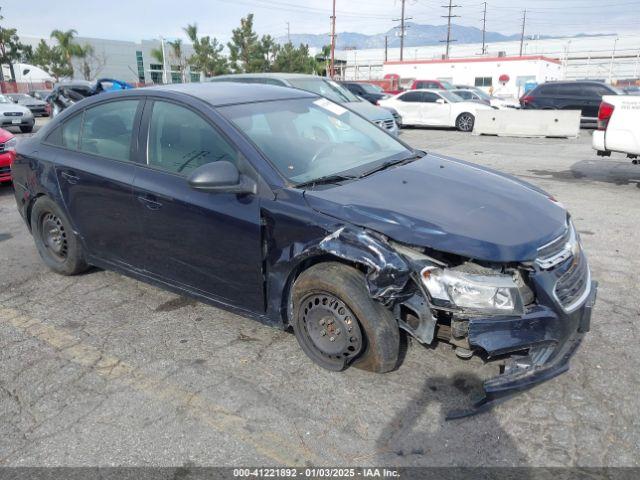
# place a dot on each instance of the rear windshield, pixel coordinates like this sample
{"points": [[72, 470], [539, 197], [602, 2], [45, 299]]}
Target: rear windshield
{"points": [[326, 88]]}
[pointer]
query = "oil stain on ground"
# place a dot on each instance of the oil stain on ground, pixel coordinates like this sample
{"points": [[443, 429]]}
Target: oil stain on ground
{"points": [[5, 236]]}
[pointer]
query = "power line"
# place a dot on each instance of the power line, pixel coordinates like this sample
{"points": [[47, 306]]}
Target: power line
{"points": [[451, 6]]}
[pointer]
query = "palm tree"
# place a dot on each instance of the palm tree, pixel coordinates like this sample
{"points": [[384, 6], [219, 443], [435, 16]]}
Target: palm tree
{"points": [[67, 47]]}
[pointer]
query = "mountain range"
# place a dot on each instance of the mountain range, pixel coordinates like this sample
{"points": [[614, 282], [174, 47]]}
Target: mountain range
{"points": [[417, 35]]}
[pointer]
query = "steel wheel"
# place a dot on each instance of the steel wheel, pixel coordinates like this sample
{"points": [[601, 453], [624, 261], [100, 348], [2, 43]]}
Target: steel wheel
{"points": [[465, 122], [54, 236], [330, 328]]}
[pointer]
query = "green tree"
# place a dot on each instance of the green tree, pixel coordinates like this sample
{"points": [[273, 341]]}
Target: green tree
{"points": [[294, 60], [207, 57], [51, 60], [247, 52], [11, 50], [177, 59], [68, 48]]}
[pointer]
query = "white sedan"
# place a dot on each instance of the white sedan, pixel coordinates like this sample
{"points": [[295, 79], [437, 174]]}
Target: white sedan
{"points": [[435, 108]]}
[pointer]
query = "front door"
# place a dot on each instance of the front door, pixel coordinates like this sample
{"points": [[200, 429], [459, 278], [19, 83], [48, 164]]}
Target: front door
{"points": [[206, 243], [94, 170], [434, 113]]}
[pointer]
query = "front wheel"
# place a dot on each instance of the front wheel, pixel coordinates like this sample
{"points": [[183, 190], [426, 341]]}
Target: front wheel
{"points": [[338, 324], [465, 122], [55, 240]]}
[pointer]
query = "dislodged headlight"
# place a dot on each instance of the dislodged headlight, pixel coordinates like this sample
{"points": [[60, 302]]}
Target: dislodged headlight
{"points": [[10, 145], [489, 294]]}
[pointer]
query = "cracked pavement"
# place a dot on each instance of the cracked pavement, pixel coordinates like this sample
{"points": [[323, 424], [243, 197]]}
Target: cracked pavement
{"points": [[103, 370]]}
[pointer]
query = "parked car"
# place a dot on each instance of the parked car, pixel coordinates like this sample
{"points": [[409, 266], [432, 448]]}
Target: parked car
{"points": [[13, 115], [40, 94], [479, 96], [7, 154], [435, 108], [228, 194], [618, 126], [37, 107], [431, 84], [371, 93], [583, 95], [384, 118], [66, 94]]}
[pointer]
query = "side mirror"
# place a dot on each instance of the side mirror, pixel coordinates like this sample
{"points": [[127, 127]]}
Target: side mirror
{"points": [[441, 101], [221, 177]]}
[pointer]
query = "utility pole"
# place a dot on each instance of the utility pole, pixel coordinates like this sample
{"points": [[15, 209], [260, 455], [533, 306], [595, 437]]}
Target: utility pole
{"points": [[333, 42], [288, 32], [484, 29], [448, 41], [613, 58], [403, 29], [524, 23], [386, 48]]}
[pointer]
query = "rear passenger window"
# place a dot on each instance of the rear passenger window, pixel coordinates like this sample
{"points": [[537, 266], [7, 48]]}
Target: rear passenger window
{"points": [[67, 135], [180, 140], [107, 129], [411, 97]]}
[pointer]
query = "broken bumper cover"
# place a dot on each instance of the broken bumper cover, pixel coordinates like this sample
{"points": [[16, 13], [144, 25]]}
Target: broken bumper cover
{"points": [[552, 333]]}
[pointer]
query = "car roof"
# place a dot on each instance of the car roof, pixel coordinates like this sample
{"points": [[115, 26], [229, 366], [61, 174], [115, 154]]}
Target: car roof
{"points": [[572, 82], [229, 93], [280, 76]]}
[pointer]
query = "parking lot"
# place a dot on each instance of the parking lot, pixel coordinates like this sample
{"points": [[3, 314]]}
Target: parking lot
{"points": [[103, 370]]}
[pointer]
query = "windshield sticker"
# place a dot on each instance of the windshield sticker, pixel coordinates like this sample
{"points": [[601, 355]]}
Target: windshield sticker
{"points": [[330, 106]]}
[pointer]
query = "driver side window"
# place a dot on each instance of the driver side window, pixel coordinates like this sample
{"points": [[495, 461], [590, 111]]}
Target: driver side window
{"points": [[180, 140]]}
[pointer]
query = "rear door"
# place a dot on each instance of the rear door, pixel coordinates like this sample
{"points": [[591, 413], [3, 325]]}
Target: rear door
{"points": [[94, 169], [409, 106], [206, 243]]}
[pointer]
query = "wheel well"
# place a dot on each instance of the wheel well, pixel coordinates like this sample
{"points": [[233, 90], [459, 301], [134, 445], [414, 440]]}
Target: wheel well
{"points": [[301, 267], [32, 202]]}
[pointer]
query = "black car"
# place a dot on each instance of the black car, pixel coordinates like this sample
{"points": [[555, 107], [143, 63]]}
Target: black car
{"points": [[283, 206], [583, 95], [37, 107], [368, 91]]}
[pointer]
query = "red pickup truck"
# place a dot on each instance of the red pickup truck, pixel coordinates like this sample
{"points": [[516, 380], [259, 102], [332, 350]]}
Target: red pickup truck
{"points": [[432, 84], [7, 154]]}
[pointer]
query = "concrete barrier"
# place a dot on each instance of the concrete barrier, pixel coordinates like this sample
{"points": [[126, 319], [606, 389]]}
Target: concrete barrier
{"points": [[528, 123]]}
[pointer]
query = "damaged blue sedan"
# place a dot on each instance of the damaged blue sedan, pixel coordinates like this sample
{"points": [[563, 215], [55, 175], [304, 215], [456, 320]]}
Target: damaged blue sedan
{"points": [[283, 206]]}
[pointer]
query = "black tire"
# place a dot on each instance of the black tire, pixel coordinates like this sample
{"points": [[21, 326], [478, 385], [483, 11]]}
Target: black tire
{"points": [[28, 129], [465, 122], [55, 240], [373, 338]]}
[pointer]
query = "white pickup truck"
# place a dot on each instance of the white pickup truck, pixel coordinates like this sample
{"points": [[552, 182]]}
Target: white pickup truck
{"points": [[618, 126]]}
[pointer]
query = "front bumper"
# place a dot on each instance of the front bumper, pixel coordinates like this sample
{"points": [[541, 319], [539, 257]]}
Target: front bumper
{"points": [[544, 330], [5, 166], [24, 121]]}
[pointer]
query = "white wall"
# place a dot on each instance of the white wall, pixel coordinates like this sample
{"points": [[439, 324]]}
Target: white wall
{"points": [[467, 72]]}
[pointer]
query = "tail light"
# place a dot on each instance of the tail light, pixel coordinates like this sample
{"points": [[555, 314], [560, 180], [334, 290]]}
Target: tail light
{"points": [[526, 99], [604, 115]]}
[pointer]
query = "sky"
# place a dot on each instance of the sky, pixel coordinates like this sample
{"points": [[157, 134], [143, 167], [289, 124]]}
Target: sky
{"points": [[136, 20]]}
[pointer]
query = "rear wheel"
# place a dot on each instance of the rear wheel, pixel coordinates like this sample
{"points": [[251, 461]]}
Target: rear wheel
{"points": [[55, 240], [465, 122], [337, 323]]}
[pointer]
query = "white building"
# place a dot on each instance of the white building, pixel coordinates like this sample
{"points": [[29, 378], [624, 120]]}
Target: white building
{"points": [[601, 57], [503, 76]]}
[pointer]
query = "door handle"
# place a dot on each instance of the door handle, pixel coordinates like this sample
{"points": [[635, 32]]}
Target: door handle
{"points": [[149, 202], [70, 177]]}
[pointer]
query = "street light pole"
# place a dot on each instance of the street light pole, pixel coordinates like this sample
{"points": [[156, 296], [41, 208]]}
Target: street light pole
{"points": [[333, 42]]}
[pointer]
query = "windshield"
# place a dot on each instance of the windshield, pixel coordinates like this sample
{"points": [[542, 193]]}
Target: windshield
{"points": [[450, 96], [311, 138], [21, 96], [446, 84], [326, 88], [4, 99], [369, 88], [482, 95]]}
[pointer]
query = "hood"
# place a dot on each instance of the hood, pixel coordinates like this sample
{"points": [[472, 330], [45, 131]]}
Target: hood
{"points": [[450, 206], [14, 107], [369, 111], [32, 101]]}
